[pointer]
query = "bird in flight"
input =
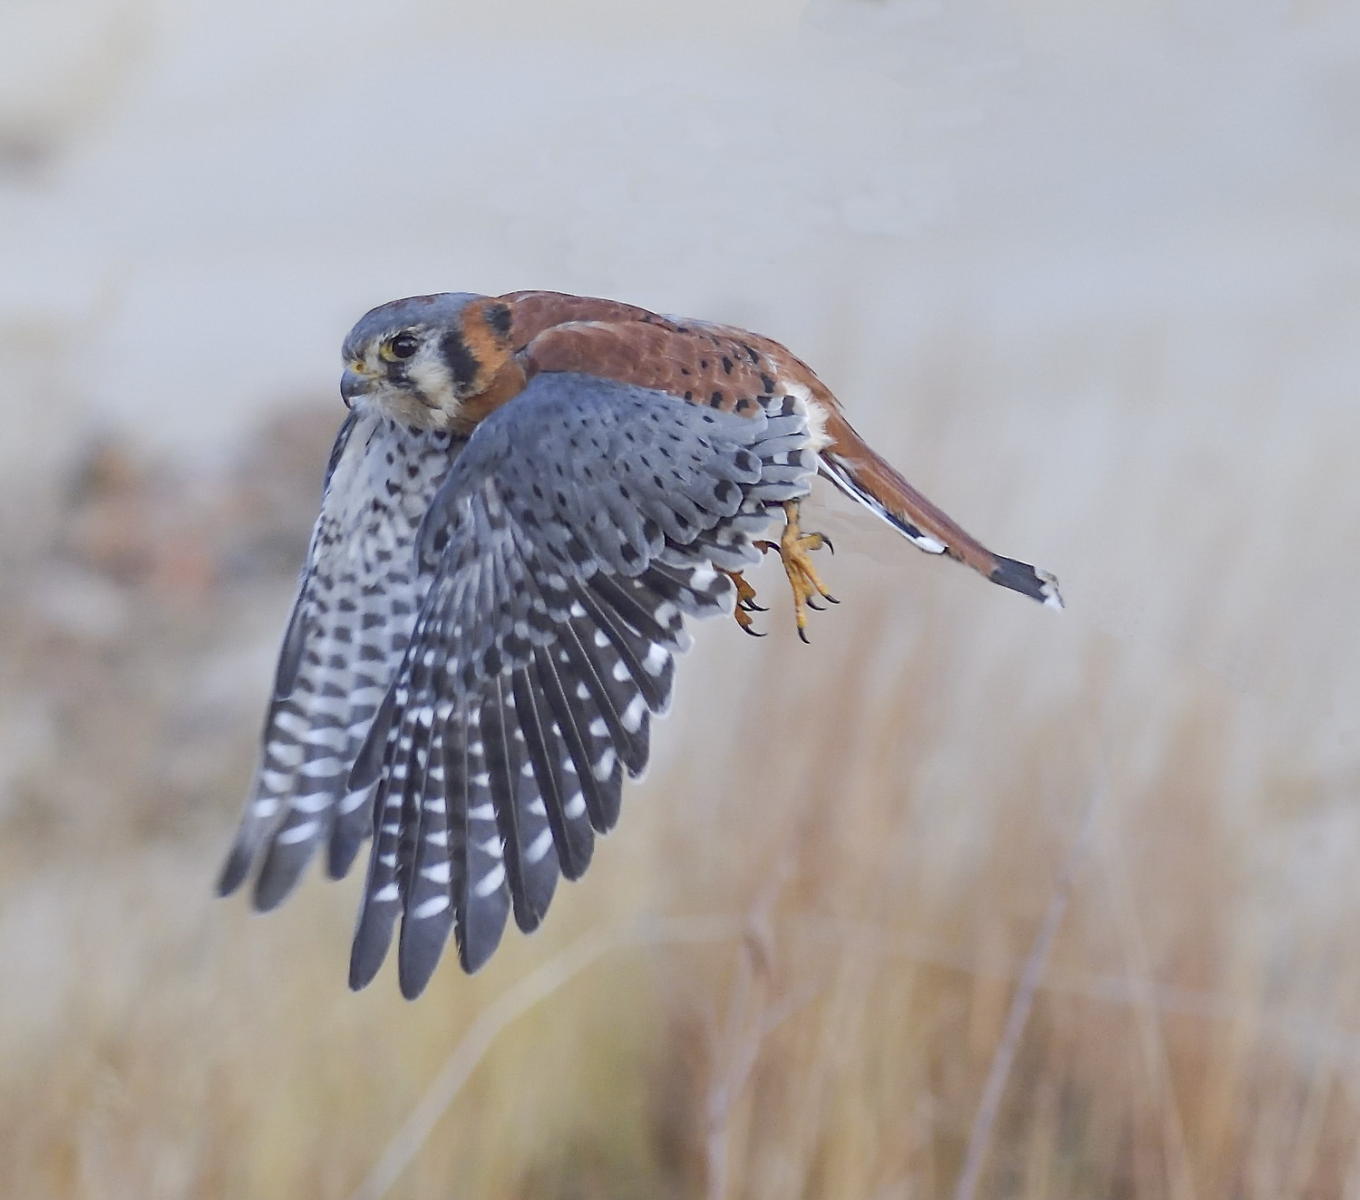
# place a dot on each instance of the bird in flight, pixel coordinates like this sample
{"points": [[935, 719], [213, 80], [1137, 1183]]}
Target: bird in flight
{"points": [[528, 497]]}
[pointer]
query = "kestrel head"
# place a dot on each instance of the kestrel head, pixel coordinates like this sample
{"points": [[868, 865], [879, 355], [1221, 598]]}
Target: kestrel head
{"points": [[422, 359]]}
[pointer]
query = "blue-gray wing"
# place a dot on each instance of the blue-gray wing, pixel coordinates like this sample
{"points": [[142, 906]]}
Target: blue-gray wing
{"points": [[357, 600], [581, 524]]}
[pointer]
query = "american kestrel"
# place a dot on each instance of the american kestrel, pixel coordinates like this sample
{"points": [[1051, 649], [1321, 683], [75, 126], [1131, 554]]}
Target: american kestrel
{"points": [[530, 494]]}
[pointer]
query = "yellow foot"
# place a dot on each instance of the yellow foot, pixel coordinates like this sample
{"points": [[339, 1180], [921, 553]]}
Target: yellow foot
{"points": [[746, 602], [794, 549]]}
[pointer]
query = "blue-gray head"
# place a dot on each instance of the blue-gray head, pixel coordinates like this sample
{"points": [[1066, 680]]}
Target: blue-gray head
{"points": [[421, 359]]}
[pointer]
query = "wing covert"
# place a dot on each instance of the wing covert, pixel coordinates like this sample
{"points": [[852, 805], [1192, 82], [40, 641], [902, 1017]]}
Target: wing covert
{"points": [[582, 523]]}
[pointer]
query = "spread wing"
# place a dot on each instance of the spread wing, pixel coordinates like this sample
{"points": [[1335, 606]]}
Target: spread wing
{"points": [[356, 603], [581, 524]]}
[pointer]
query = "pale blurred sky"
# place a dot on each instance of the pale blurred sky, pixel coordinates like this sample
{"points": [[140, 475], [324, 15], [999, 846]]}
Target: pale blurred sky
{"points": [[224, 188]]}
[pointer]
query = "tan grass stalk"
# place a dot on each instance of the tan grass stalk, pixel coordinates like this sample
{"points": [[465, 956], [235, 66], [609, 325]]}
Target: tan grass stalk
{"points": [[517, 1000], [1017, 1016]]}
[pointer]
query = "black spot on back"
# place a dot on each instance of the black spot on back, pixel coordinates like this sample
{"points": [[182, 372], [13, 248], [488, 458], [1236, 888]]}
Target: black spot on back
{"points": [[498, 318]]}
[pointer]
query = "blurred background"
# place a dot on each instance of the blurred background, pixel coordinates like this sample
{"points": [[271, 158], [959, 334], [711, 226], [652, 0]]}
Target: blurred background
{"points": [[968, 898]]}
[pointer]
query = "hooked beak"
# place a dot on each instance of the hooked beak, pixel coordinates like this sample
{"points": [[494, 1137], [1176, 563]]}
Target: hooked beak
{"points": [[353, 384]]}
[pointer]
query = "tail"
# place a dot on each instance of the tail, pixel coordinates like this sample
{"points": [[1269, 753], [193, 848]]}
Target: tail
{"points": [[864, 476]]}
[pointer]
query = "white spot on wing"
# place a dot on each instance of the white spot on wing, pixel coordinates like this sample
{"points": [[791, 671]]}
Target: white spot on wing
{"points": [[703, 576], [631, 717], [605, 767], [536, 849], [315, 803], [353, 801], [431, 907], [299, 833], [490, 882]]}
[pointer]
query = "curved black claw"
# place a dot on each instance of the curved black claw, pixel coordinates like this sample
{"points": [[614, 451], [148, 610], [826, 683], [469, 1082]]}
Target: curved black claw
{"points": [[802, 633], [752, 606], [830, 597], [753, 632], [813, 605], [828, 543]]}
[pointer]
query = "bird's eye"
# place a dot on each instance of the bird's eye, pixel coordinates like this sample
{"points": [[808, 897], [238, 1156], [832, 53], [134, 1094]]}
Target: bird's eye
{"points": [[403, 345]]}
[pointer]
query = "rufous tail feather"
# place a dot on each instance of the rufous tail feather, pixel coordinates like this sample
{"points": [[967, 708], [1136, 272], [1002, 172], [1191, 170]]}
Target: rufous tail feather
{"points": [[862, 475]]}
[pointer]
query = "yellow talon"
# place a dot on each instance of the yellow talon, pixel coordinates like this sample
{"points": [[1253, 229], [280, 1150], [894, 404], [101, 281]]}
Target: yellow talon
{"points": [[746, 602], [794, 549]]}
